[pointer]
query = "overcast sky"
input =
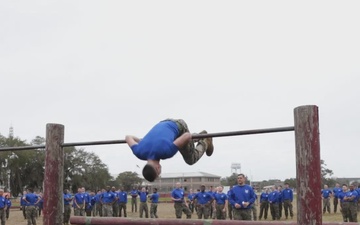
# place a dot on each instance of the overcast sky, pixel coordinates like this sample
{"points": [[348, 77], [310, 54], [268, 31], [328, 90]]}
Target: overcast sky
{"points": [[105, 69]]}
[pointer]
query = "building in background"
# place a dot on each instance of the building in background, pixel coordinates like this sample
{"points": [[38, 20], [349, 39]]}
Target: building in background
{"points": [[166, 182]]}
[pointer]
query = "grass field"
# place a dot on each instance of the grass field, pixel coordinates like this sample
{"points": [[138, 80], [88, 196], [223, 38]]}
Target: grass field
{"points": [[165, 210]]}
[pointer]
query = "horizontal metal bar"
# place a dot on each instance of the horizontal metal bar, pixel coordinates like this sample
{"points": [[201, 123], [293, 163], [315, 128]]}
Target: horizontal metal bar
{"points": [[244, 132], [194, 136], [21, 148], [109, 142]]}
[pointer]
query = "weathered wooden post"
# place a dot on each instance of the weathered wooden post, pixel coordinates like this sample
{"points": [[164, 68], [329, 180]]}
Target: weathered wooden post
{"points": [[308, 169], [54, 175]]}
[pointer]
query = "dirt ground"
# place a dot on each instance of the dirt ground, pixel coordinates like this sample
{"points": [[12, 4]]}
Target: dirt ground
{"points": [[165, 210]]}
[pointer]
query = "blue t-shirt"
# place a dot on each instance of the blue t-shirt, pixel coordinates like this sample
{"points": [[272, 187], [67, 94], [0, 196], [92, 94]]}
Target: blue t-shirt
{"points": [[220, 198], [67, 199], [326, 193], [264, 197], [31, 198], [2, 202], [158, 143], [287, 194], [274, 197], [204, 197], [243, 193], [154, 197], [143, 196], [122, 197], [178, 193], [108, 197]]}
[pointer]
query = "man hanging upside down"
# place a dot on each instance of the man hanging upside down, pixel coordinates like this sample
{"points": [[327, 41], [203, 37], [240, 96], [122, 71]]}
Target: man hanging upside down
{"points": [[163, 141]]}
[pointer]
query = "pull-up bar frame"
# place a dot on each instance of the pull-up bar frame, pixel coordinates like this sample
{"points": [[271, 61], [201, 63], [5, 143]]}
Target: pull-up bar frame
{"points": [[308, 169]]}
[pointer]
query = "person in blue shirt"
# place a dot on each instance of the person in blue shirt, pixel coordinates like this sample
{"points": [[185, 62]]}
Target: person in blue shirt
{"points": [[134, 194], [107, 200], [241, 198], [287, 197], [177, 195], [274, 203], [93, 202], [98, 205], [31, 200], [230, 208], [143, 202], [163, 141], [87, 197], [344, 204], [336, 190], [358, 191], [3, 207], [280, 201], [326, 195], [8, 205], [23, 204], [203, 201], [40, 205], [254, 208], [67, 208], [190, 200], [116, 204], [79, 203], [122, 201], [264, 204], [154, 198], [352, 197], [221, 201]]}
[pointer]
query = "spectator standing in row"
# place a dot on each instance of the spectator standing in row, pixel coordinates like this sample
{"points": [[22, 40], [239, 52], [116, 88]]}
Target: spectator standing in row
{"points": [[203, 201], [274, 198], [143, 202], [241, 198], [8, 206], [107, 200], [67, 208], [134, 195], [221, 204], [325, 195], [31, 200], [180, 205], [3, 207], [122, 202], [154, 198], [287, 197], [336, 190], [264, 204]]}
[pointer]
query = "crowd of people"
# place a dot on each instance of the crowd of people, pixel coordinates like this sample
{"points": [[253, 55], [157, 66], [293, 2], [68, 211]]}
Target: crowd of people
{"points": [[239, 203], [348, 197]]}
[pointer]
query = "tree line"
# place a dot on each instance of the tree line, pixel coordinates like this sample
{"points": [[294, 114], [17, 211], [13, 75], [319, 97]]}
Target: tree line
{"points": [[22, 169]]}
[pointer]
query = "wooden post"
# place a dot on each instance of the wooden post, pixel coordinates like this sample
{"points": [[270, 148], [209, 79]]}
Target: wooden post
{"points": [[308, 168], [54, 175]]}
